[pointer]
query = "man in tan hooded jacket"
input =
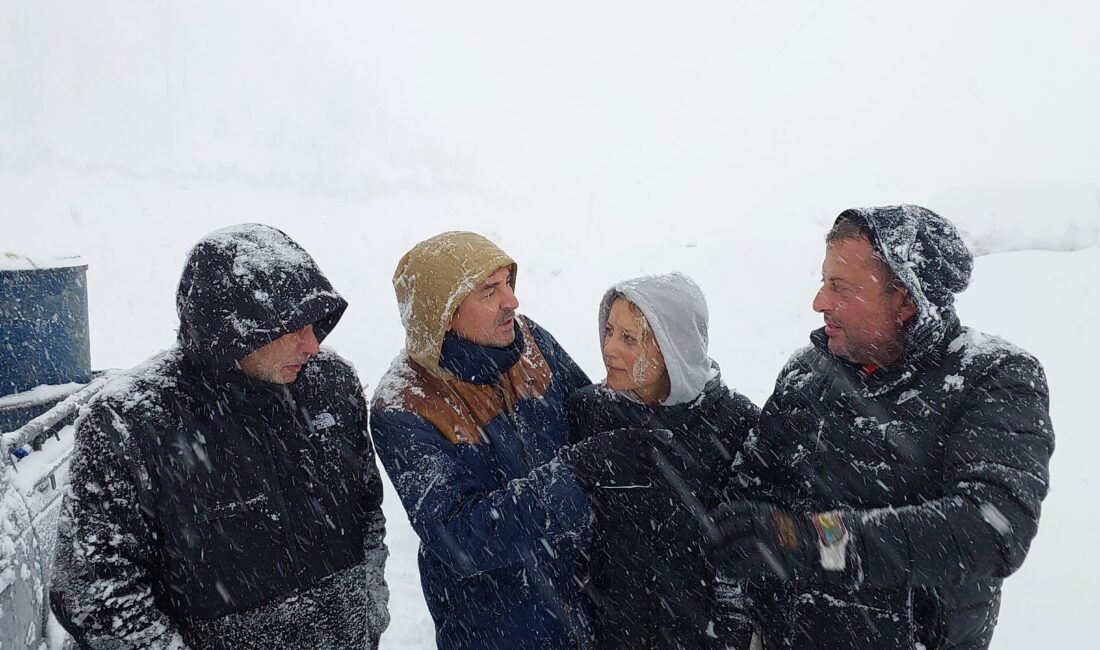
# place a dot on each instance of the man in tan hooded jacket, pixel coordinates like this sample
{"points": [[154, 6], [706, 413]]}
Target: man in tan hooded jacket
{"points": [[469, 422]]}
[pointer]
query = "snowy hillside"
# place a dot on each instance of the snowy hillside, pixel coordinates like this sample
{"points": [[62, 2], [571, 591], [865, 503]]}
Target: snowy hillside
{"points": [[593, 142]]}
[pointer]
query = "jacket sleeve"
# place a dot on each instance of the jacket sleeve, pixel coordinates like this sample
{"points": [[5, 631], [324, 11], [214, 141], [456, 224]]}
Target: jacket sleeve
{"points": [[374, 542], [378, 592], [996, 469], [102, 589], [468, 525], [763, 469], [738, 421]]}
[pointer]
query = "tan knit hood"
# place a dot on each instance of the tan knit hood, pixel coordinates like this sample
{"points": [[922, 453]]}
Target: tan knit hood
{"points": [[433, 278]]}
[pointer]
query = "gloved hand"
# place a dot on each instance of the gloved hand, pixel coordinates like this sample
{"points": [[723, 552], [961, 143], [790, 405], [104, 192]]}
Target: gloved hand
{"points": [[622, 457], [759, 539]]}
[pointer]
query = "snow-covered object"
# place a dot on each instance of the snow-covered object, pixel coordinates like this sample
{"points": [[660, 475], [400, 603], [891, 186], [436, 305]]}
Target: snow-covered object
{"points": [[431, 281], [29, 509], [1005, 217], [40, 394], [677, 313], [25, 260]]}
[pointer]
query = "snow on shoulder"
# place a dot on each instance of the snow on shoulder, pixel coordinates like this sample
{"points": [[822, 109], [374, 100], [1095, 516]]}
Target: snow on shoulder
{"points": [[138, 386], [397, 381], [975, 346], [1001, 218]]}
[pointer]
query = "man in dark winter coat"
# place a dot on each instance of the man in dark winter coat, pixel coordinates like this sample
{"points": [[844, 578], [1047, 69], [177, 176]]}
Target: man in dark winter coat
{"points": [[903, 457], [224, 493]]}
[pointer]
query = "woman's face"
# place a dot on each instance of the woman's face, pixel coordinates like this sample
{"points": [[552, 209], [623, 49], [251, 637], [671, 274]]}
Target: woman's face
{"points": [[632, 356]]}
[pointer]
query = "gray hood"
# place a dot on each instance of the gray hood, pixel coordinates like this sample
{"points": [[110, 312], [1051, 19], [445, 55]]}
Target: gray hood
{"points": [[677, 313]]}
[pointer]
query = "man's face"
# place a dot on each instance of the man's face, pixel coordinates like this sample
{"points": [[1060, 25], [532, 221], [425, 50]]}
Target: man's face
{"points": [[280, 361], [487, 316], [864, 318]]}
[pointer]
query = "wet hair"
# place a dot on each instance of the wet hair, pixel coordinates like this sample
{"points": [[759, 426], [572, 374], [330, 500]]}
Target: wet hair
{"points": [[849, 229], [639, 317], [845, 228]]}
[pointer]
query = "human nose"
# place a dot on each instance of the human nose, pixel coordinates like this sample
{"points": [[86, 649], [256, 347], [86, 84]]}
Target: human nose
{"points": [[822, 303], [509, 300], [307, 341], [610, 350]]}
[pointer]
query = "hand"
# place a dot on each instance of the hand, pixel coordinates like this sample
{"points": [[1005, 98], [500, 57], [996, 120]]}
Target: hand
{"points": [[621, 457], [759, 539]]}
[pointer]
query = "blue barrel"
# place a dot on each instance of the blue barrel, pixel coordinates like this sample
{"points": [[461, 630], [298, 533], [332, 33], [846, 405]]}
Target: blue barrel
{"points": [[43, 328]]}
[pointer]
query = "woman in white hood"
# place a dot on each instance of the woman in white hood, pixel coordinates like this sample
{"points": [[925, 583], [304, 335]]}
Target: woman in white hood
{"points": [[649, 581]]}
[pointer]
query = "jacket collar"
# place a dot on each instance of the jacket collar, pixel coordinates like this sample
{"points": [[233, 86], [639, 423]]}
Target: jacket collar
{"points": [[913, 362], [479, 364], [671, 416]]}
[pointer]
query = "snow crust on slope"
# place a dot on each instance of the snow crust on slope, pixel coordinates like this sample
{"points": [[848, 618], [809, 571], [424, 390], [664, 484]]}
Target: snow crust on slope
{"points": [[1005, 217]]}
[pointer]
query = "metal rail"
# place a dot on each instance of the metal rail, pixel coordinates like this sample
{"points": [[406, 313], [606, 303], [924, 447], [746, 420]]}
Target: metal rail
{"points": [[45, 422]]}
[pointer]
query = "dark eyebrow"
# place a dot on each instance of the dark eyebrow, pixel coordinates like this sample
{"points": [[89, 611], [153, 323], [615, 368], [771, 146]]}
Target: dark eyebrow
{"points": [[485, 286]]}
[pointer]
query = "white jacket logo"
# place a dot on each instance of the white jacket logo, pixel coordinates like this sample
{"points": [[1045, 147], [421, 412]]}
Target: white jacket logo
{"points": [[323, 421]]}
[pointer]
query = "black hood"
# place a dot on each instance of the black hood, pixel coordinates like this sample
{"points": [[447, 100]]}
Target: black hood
{"points": [[929, 257], [245, 286]]}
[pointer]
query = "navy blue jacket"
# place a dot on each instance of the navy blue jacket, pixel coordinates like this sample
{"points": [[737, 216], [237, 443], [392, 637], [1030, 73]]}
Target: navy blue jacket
{"points": [[503, 525]]}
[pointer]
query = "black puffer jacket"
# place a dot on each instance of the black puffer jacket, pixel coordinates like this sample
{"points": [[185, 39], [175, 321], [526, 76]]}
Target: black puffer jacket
{"points": [[212, 510], [939, 464], [649, 582]]}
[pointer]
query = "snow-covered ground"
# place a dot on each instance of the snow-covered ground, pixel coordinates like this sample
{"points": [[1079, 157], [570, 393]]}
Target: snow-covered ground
{"points": [[593, 141]]}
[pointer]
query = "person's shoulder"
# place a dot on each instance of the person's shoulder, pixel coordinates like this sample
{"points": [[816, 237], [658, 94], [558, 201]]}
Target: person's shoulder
{"points": [[147, 386], [976, 353], [132, 401], [724, 400], [592, 395], [543, 338], [800, 364], [736, 400], [400, 384], [554, 354], [328, 366]]}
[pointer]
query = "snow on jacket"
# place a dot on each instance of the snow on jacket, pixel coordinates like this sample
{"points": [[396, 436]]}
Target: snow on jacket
{"points": [[212, 510], [939, 461], [470, 438], [649, 581]]}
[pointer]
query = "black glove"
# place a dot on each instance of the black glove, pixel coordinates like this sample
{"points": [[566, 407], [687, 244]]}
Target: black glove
{"points": [[622, 457], [758, 539]]}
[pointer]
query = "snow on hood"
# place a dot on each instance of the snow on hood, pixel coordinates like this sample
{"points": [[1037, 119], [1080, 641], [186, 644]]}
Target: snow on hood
{"points": [[677, 313], [928, 255], [245, 286]]}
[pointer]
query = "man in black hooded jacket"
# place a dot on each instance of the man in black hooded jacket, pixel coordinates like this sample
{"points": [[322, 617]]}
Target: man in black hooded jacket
{"points": [[224, 493], [902, 458]]}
